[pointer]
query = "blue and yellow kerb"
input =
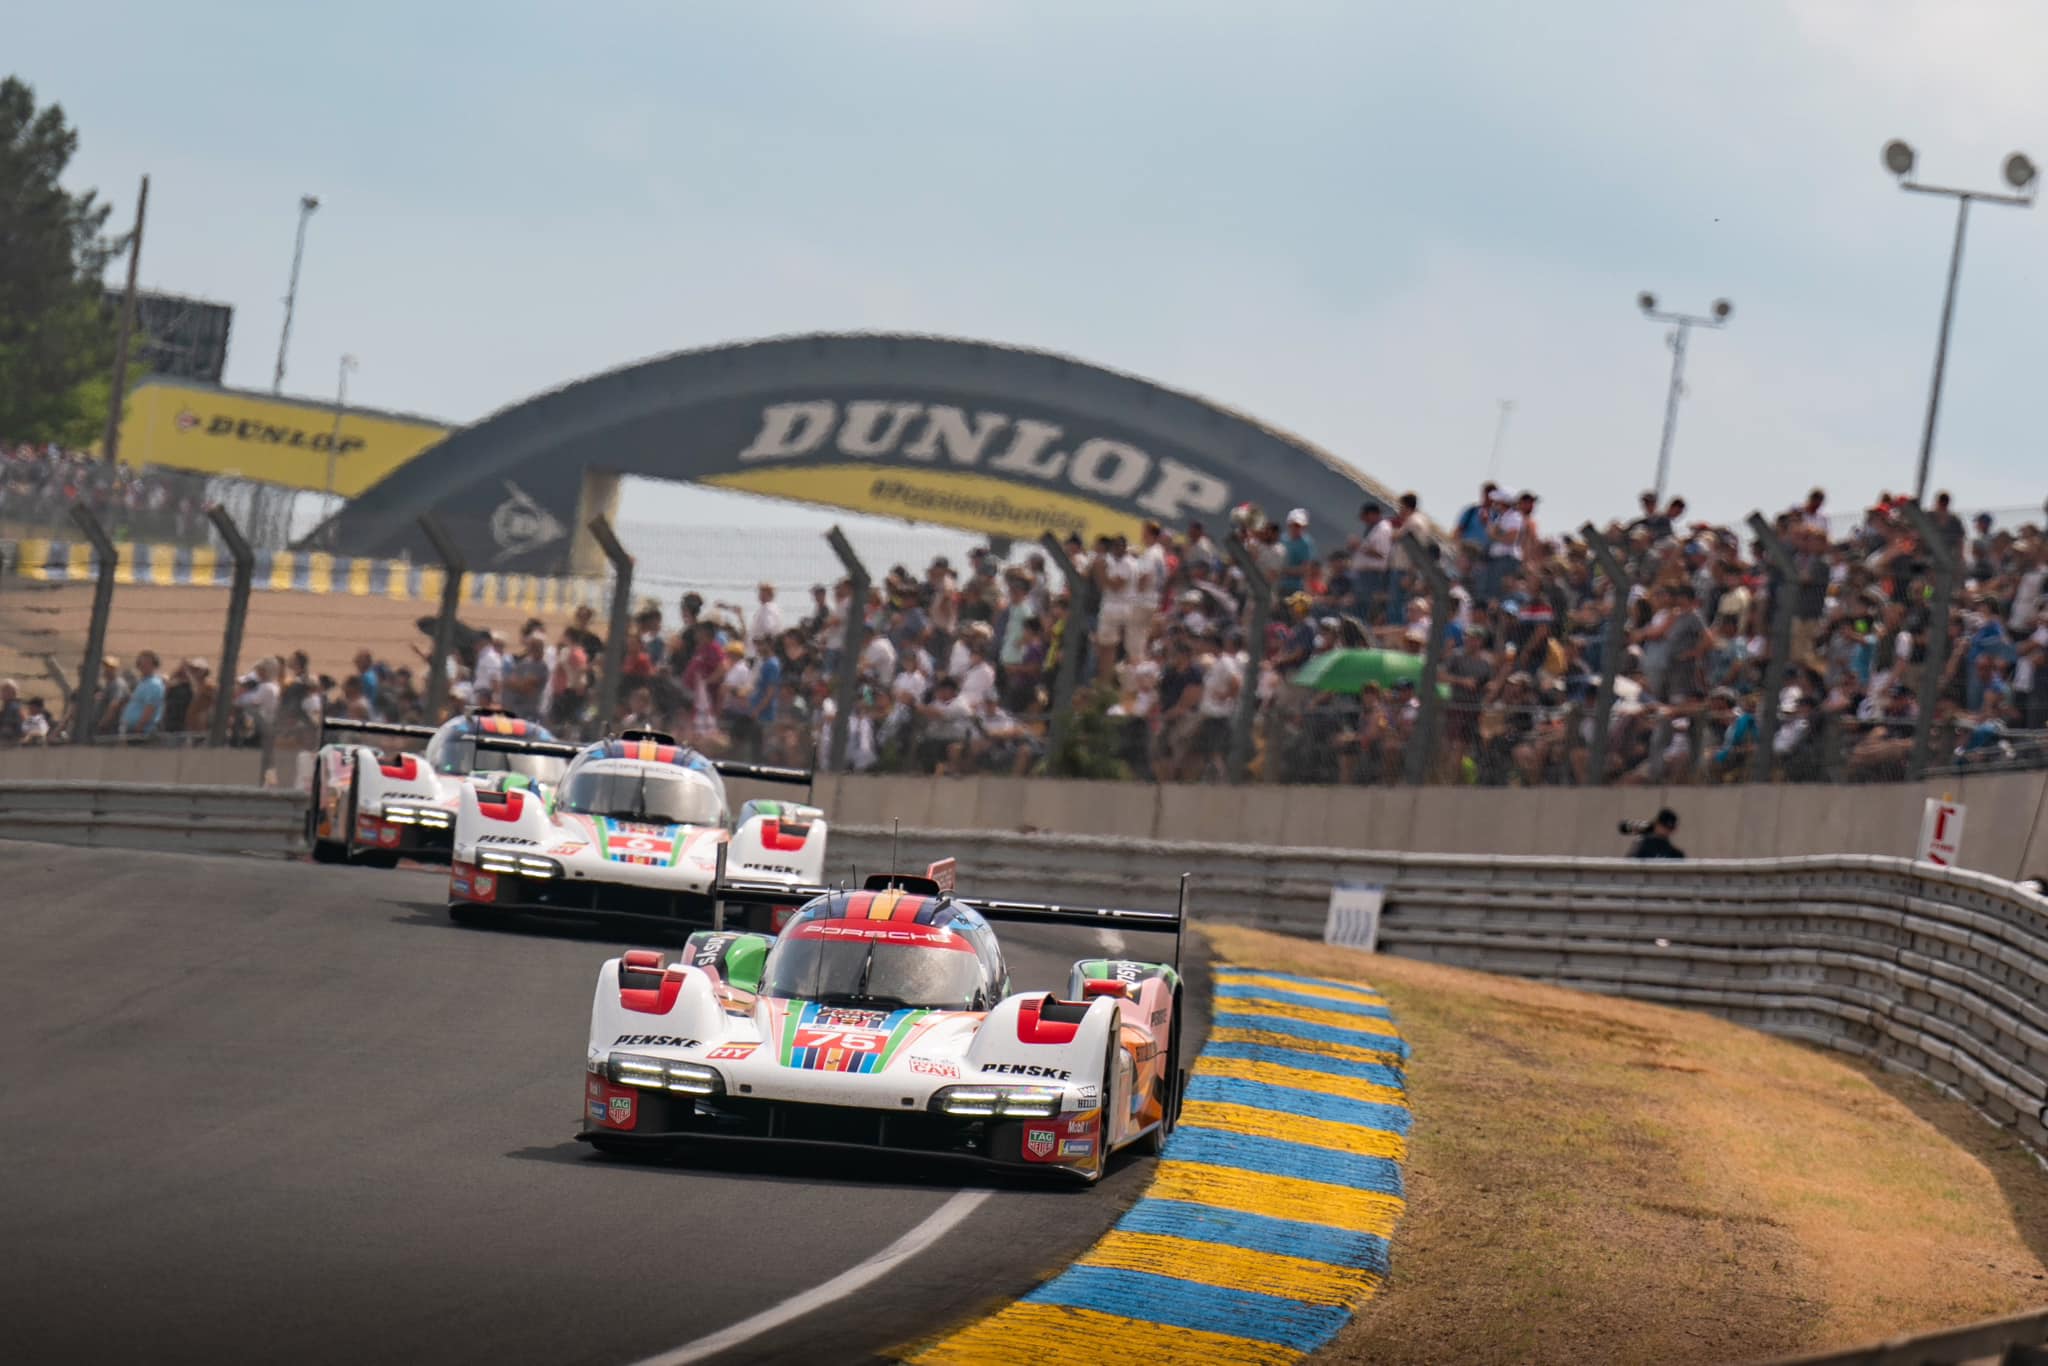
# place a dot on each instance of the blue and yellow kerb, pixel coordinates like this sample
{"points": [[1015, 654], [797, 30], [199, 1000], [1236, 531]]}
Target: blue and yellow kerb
{"points": [[292, 571], [1268, 1221]]}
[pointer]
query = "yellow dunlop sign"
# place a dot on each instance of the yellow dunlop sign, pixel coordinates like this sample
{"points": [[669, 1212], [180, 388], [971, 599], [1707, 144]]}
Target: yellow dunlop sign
{"points": [[947, 497], [277, 440]]}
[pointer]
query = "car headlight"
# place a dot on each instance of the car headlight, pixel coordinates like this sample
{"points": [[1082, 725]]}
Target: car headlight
{"points": [[663, 1074], [431, 817], [516, 865], [1016, 1101]]}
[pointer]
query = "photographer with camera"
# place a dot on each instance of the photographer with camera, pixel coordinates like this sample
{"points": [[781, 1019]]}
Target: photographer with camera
{"points": [[1653, 838]]}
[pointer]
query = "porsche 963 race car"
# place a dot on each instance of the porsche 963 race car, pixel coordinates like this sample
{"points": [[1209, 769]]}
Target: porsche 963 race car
{"points": [[374, 804], [884, 1018], [635, 827]]}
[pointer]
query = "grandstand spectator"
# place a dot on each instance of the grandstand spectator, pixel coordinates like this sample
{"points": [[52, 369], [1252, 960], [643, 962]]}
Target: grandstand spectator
{"points": [[143, 711], [11, 712]]}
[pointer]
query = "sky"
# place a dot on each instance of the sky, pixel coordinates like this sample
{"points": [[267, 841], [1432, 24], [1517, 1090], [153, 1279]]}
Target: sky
{"points": [[1365, 223]]}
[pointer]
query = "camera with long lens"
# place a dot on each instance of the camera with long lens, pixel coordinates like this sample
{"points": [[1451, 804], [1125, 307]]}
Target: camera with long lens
{"points": [[1636, 828]]}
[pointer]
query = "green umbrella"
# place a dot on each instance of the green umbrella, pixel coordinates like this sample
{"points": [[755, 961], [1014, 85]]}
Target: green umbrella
{"points": [[1349, 670]]}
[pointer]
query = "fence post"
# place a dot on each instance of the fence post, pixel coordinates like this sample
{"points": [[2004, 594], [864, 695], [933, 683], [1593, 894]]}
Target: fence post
{"points": [[1261, 594], [621, 620], [1427, 740], [1945, 568], [846, 684], [238, 614], [1074, 637], [1779, 660], [454, 568], [106, 561], [1610, 652]]}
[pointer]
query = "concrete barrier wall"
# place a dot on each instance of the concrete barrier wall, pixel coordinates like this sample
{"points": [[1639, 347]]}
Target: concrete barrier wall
{"points": [[2006, 832]]}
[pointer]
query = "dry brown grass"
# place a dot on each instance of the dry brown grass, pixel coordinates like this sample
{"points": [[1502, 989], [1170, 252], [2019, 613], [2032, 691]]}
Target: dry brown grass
{"points": [[1596, 1180]]}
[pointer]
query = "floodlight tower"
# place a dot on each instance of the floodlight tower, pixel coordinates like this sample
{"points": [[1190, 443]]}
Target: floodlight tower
{"points": [[2021, 175], [1682, 326]]}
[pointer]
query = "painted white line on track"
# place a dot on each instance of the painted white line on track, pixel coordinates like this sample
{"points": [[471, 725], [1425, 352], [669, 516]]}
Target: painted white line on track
{"points": [[935, 1226]]}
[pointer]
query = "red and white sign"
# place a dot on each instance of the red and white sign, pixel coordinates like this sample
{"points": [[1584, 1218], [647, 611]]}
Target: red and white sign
{"points": [[1038, 1142], [732, 1052], [944, 872], [1941, 833]]}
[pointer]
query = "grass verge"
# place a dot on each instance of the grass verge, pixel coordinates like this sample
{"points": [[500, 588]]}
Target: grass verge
{"points": [[1592, 1180]]}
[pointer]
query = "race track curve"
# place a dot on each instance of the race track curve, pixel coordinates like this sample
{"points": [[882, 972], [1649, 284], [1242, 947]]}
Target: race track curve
{"points": [[258, 1110]]}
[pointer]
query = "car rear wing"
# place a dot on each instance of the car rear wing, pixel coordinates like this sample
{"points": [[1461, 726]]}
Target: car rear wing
{"points": [[515, 744], [763, 773], [930, 884], [374, 728]]}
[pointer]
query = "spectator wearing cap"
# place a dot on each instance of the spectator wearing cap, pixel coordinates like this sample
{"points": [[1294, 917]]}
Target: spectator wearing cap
{"points": [[1372, 559], [1474, 523], [10, 712], [1300, 548]]}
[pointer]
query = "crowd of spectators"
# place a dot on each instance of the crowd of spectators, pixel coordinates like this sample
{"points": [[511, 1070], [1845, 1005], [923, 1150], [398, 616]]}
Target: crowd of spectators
{"points": [[39, 484], [957, 670]]}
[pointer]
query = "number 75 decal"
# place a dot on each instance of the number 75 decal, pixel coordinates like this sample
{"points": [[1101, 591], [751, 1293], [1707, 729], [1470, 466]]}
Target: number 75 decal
{"points": [[852, 1040]]}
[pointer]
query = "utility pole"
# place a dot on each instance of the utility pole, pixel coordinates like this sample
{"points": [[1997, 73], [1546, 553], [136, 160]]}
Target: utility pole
{"points": [[307, 203], [111, 446]]}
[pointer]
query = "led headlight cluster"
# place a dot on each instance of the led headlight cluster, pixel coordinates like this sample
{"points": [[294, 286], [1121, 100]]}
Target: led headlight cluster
{"points": [[1014, 1101], [663, 1074], [516, 865], [430, 817]]}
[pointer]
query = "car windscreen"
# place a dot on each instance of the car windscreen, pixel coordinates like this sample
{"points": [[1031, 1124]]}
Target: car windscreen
{"points": [[458, 754], [845, 961], [643, 794]]}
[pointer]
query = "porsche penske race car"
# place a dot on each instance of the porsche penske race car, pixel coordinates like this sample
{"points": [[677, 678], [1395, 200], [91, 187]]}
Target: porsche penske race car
{"points": [[636, 826], [374, 804], [884, 1018]]}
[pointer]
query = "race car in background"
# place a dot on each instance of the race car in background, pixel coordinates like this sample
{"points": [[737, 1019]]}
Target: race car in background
{"points": [[885, 1018], [375, 804], [636, 826]]}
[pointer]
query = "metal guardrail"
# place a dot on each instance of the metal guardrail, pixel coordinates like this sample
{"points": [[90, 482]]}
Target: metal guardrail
{"points": [[156, 816]]}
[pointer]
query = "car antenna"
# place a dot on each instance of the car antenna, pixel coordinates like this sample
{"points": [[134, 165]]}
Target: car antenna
{"points": [[895, 848]]}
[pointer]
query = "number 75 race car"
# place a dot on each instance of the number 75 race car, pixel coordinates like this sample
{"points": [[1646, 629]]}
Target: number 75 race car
{"points": [[884, 1019], [635, 827]]}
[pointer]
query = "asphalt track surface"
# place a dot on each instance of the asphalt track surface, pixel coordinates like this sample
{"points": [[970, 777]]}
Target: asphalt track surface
{"points": [[257, 1110]]}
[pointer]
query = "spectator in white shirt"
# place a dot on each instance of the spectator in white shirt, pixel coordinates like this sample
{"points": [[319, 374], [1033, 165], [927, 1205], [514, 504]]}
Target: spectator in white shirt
{"points": [[488, 675], [766, 627], [1372, 559]]}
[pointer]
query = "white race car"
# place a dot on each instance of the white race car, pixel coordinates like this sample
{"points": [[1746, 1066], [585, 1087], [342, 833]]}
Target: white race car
{"points": [[885, 1018], [635, 827], [375, 804]]}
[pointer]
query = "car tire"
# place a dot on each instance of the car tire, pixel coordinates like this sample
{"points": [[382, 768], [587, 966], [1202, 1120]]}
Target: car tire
{"points": [[1109, 1111], [1154, 1142], [324, 851]]}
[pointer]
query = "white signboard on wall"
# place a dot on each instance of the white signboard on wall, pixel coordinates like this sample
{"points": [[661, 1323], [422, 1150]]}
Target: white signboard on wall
{"points": [[1354, 918], [1941, 833]]}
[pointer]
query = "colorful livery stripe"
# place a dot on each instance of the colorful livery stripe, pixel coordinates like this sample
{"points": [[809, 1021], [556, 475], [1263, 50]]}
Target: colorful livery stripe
{"points": [[1268, 1219]]}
